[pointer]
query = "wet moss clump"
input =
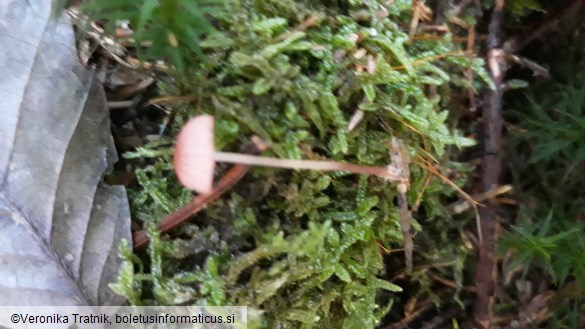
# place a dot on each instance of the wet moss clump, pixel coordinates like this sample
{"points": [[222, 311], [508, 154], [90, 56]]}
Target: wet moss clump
{"points": [[316, 80]]}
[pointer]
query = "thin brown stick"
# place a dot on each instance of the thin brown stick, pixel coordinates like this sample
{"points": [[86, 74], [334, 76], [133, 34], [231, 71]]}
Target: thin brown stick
{"points": [[439, 321], [183, 214], [463, 205], [422, 308], [485, 276], [451, 283]]}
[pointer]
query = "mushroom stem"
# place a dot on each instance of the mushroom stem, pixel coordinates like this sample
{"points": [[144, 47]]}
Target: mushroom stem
{"points": [[304, 164]]}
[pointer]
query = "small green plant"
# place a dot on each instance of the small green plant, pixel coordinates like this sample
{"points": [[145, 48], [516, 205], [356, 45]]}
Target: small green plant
{"points": [[520, 8], [550, 131], [559, 254], [172, 28]]}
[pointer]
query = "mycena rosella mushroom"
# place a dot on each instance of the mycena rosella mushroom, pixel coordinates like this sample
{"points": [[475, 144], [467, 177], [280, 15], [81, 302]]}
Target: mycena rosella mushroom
{"points": [[195, 159]]}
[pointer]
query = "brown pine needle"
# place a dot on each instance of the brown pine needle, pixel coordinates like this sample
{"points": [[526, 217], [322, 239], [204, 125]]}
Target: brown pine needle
{"points": [[435, 172], [462, 205], [463, 194]]}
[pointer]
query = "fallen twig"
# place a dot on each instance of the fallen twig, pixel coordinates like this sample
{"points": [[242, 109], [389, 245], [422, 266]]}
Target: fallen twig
{"points": [[439, 321], [498, 55], [463, 205], [416, 313], [485, 275]]}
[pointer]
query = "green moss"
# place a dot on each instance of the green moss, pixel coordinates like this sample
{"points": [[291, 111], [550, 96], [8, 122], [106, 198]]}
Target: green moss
{"points": [[306, 247]]}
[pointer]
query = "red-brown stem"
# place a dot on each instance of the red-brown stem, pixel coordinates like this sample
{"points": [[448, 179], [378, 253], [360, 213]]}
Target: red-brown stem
{"points": [[183, 214], [198, 203]]}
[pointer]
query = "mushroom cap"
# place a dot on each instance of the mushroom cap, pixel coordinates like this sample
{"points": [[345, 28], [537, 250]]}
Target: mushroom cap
{"points": [[194, 154]]}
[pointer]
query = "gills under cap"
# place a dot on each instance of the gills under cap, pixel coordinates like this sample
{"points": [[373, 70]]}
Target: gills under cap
{"points": [[194, 154]]}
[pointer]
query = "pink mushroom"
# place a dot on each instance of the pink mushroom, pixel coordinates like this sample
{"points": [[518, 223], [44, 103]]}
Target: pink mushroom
{"points": [[195, 158], [194, 154]]}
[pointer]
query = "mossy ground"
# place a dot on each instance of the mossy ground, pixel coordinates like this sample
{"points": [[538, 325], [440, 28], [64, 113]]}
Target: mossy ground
{"points": [[311, 249]]}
